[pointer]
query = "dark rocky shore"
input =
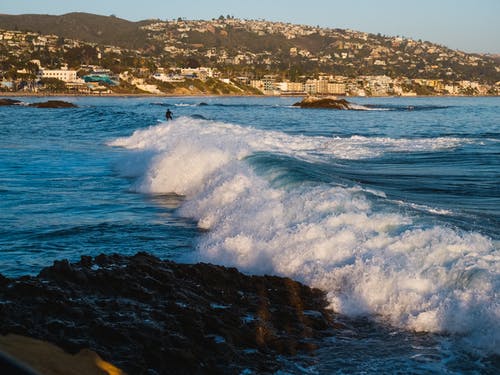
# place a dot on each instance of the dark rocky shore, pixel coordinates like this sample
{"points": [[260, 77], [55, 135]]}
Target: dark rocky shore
{"points": [[148, 316]]}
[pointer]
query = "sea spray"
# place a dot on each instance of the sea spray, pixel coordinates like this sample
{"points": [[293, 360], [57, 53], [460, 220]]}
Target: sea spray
{"points": [[370, 259]]}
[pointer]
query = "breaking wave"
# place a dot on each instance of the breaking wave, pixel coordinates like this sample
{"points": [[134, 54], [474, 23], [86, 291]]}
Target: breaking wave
{"points": [[371, 261]]}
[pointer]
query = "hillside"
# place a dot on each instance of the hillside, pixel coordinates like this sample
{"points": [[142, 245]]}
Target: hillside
{"points": [[82, 26], [255, 48]]}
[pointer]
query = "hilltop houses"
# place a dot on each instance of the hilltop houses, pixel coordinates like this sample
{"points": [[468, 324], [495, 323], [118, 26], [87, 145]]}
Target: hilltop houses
{"points": [[351, 63]]}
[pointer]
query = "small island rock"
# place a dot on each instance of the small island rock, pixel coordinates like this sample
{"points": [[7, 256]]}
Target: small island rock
{"points": [[330, 102], [4, 101], [53, 104]]}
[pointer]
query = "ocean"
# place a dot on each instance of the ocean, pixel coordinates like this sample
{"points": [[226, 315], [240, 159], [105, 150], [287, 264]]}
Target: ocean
{"points": [[392, 209]]}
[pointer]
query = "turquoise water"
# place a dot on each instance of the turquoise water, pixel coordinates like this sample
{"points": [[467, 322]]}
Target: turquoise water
{"points": [[392, 209]]}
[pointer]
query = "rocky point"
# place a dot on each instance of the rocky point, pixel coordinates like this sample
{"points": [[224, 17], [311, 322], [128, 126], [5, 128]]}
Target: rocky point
{"points": [[150, 316]]}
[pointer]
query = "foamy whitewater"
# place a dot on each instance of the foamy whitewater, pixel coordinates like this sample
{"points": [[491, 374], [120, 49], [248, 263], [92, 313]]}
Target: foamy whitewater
{"points": [[394, 213], [431, 279]]}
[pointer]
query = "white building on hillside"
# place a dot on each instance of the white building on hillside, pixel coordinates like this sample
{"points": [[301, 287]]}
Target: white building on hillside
{"points": [[201, 72], [61, 74]]}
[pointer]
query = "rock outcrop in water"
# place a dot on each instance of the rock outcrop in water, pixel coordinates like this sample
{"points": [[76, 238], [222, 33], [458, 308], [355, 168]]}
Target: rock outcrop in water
{"points": [[47, 104], [6, 101], [330, 102], [53, 104], [150, 316]]}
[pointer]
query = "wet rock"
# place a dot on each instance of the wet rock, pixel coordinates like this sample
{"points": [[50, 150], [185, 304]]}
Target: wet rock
{"points": [[330, 102], [47, 104], [3, 280], [53, 104], [4, 101], [145, 315]]}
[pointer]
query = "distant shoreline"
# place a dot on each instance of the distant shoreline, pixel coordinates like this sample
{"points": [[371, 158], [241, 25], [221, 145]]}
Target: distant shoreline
{"points": [[145, 95], [39, 95]]}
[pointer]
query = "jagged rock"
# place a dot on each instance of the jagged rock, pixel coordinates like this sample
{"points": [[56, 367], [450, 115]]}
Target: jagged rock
{"points": [[331, 102], [53, 104], [145, 315]]}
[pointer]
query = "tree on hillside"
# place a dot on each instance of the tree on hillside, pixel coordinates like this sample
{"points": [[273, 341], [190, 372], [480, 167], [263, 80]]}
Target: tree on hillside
{"points": [[78, 55], [32, 69], [53, 84], [191, 63]]}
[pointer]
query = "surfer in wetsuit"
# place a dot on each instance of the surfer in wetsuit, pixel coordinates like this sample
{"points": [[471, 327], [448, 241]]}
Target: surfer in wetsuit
{"points": [[168, 115]]}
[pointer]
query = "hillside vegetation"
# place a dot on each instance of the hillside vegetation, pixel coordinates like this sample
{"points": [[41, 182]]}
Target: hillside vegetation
{"points": [[250, 48], [82, 26]]}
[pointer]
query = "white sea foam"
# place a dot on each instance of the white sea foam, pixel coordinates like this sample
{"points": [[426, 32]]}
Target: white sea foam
{"points": [[185, 105], [425, 208], [360, 147], [359, 107], [242, 141], [370, 262]]}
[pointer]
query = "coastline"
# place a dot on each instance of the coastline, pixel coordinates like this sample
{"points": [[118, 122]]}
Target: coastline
{"points": [[150, 95], [113, 95]]}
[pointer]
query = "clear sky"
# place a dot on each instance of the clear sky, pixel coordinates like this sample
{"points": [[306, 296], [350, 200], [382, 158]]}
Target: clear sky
{"points": [[468, 25]]}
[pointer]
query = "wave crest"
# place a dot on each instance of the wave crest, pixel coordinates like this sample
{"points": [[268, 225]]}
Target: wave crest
{"points": [[370, 262]]}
